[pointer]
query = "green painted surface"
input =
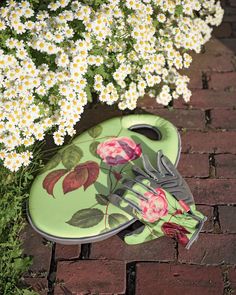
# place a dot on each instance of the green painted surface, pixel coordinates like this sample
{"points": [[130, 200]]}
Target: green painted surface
{"points": [[58, 215]]}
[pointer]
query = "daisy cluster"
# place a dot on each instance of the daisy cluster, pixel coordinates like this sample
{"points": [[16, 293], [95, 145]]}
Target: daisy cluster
{"points": [[52, 59]]}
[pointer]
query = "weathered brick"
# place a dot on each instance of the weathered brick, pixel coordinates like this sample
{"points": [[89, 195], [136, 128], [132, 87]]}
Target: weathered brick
{"points": [[225, 166], [229, 14], [232, 3], [225, 119], [163, 279], [162, 249], [205, 62], [191, 119], [234, 29], [208, 99], [210, 249], [208, 212], [98, 114], [223, 81], [213, 191], [91, 276], [220, 47], [232, 278], [148, 102], [227, 215], [194, 165], [39, 285], [34, 245], [223, 31], [195, 76], [67, 251], [209, 142]]}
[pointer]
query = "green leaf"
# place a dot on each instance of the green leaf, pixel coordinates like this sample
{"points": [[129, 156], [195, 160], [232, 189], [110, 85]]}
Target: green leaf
{"points": [[86, 218], [71, 156], [28, 292], [52, 163], [101, 199], [22, 264], [101, 71], [178, 10], [95, 131], [93, 148], [155, 23], [89, 94], [116, 219]]}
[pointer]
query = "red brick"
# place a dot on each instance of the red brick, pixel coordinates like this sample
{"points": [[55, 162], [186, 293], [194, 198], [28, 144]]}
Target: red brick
{"points": [[195, 76], [232, 278], [220, 47], [210, 249], [205, 62], [39, 285], [195, 79], [67, 251], [162, 249], [208, 212], [149, 102], [91, 276], [168, 279], [230, 14], [209, 142], [34, 245], [234, 29], [191, 119], [232, 3], [227, 216], [223, 81], [225, 166], [194, 165], [99, 113], [223, 31], [225, 119], [213, 191], [208, 99]]}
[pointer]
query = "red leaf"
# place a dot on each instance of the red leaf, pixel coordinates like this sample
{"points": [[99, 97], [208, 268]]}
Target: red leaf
{"points": [[93, 172], [51, 179], [75, 180]]}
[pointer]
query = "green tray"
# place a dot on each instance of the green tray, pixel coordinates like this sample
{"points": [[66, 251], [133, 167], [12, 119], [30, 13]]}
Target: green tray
{"points": [[68, 203]]}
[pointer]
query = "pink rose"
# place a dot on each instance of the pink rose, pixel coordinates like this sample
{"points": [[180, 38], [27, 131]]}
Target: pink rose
{"points": [[155, 207], [118, 151], [174, 230]]}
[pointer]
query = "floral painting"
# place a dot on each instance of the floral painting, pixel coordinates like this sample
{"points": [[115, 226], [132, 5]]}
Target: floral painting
{"points": [[115, 155]]}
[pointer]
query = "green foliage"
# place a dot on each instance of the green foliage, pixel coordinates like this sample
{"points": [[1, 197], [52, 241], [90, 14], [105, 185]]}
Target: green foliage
{"points": [[86, 218], [93, 148], [14, 188], [95, 131], [71, 156], [89, 94], [102, 200], [179, 10], [116, 219]]}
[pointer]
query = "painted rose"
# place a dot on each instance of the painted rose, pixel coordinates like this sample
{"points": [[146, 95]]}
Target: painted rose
{"points": [[118, 151], [174, 230], [155, 207]]}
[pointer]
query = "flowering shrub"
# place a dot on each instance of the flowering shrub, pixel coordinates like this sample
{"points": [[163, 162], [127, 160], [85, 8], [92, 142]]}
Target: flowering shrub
{"points": [[54, 58]]}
